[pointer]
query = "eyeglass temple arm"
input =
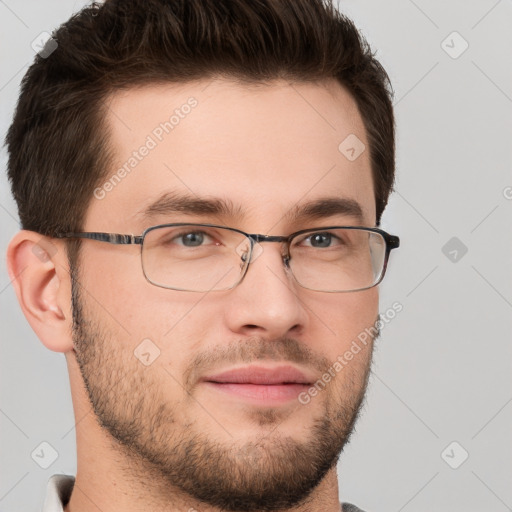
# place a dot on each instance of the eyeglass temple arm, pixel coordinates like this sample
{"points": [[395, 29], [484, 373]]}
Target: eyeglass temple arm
{"points": [[111, 238]]}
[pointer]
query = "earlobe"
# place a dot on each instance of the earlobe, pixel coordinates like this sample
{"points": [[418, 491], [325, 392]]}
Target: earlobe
{"points": [[38, 269]]}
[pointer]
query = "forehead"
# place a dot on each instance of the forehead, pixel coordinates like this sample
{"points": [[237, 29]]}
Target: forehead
{"points": [[264, 149]]}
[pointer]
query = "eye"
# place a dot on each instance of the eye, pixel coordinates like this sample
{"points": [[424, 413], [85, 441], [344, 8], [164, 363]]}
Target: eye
{"points": [[191, 238], [322, 240]]}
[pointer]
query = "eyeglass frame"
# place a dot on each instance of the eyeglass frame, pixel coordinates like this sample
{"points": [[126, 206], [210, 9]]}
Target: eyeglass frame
{"points": [[392, 242]]}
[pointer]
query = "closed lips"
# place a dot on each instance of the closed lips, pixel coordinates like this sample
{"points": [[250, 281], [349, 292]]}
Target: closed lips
{"points": [[261, 376]]}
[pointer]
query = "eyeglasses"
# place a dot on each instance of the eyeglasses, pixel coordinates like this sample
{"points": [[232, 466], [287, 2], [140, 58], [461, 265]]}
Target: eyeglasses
{"points": [[208, 257]]}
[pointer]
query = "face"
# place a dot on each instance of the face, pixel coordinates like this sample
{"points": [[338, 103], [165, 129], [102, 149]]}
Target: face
{"points": [[144, 352]]}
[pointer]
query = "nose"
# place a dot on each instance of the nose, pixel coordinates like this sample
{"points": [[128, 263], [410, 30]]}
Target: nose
{"points": [[266, 302]]}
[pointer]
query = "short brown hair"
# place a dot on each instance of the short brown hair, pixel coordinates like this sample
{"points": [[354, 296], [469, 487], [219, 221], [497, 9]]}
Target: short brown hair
{"points": [[58, 143]]}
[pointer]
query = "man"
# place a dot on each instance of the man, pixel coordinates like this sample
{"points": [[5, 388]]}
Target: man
{"points": [[200, 185]]}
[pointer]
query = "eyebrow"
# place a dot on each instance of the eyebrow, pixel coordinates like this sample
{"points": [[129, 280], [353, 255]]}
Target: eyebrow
{"points": [[173, 202]]}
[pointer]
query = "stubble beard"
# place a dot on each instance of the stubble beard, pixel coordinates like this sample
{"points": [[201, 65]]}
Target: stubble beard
{"points": [[160, 451]]}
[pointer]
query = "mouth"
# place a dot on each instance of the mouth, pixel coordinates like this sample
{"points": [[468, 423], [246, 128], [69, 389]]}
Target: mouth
{"points": [[266, 386]]}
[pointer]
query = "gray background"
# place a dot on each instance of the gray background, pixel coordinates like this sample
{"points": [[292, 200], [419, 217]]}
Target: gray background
{"points": [[442, 366]]}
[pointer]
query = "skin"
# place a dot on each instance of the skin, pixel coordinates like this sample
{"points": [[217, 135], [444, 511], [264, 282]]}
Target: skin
{"points": [[154, 437]]}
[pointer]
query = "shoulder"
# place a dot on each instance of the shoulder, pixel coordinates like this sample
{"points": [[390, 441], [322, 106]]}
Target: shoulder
{"points": [[58, 492], [348, 507]]}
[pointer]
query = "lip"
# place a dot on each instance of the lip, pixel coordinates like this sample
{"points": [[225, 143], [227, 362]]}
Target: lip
{"points": [[259, 385], [260, 375]]}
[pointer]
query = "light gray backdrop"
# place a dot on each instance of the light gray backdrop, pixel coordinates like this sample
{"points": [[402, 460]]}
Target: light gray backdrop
{"points": [[435, 434]]}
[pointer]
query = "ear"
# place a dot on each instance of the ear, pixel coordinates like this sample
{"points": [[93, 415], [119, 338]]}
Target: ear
{"points": [[39, 271]]}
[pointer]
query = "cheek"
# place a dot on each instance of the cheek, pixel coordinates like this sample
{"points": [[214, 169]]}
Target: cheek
{"points": [[114, 282], [343, 318]]}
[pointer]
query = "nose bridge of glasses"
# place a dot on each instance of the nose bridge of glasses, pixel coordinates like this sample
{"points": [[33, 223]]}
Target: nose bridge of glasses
{"points": [[269, 238], [256, 239]]}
